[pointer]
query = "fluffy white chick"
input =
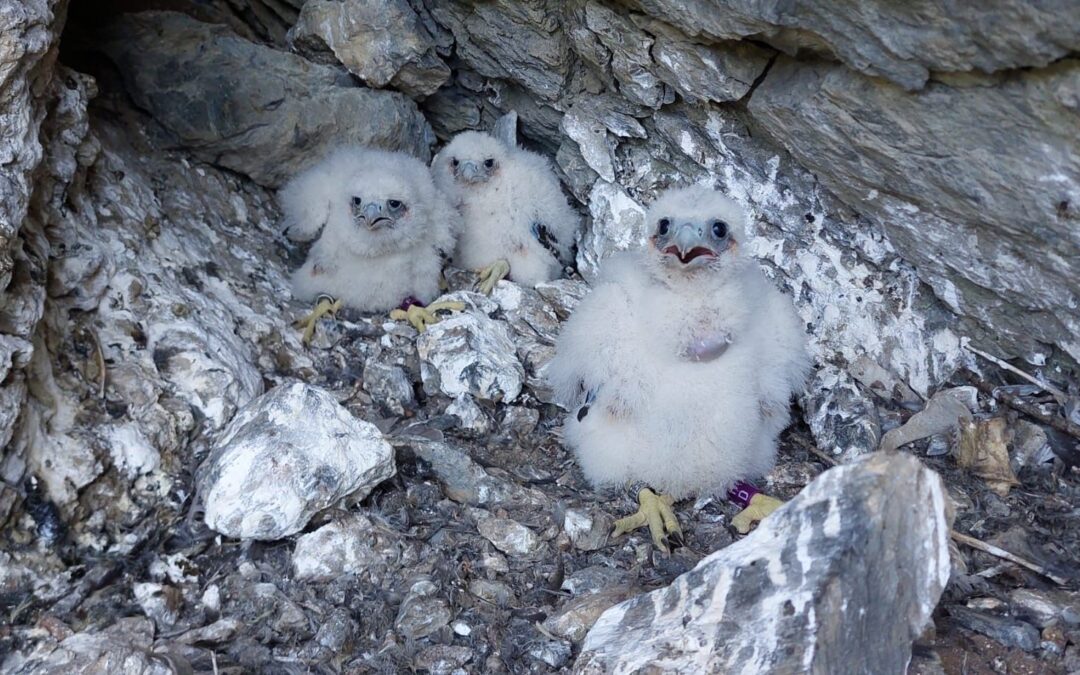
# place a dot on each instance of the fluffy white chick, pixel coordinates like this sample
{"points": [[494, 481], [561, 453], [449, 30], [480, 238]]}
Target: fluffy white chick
{"points": [[383, 232], [679, 366], [516, 220]]}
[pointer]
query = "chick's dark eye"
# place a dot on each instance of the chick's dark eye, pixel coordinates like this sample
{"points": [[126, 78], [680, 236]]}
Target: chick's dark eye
{"points": [[394, 204], [454, 161], [719, 229], [663, 226], [356, 201], [489, 163]]}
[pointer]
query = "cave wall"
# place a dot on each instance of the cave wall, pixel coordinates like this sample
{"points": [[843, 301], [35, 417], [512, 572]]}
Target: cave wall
{"points": [[912, 174]]}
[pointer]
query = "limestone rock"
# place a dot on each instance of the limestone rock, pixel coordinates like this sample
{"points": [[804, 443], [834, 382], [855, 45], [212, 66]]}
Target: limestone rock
{"points": [[618, 224], [31, 31], [793, 596], [123, 648], [352, 545], [588, 529], [249, 108], [505, 39], [471, 416], [842, 418], [286, 456], [389, 385], [465, 481], [933, 179], [900, 41], [576, 616], [469, 353], [422, 612], [383, 42], [710, 72], [509, 536]]}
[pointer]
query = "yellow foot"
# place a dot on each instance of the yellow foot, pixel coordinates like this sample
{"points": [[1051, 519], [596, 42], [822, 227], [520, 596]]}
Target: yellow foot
{"points": [[491, 275], [655, 511], [422, 317], [760, 507], [323, 307]]}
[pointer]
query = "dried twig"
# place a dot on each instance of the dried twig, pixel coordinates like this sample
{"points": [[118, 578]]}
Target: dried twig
{"points": [[1060, 423], [1005, 555], [1059, 396], [814, 450], [99, 355]]}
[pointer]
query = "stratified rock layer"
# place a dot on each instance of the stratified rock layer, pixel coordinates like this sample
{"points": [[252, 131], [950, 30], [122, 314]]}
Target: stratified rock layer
{"points": [[259, 111], [844, 577]]}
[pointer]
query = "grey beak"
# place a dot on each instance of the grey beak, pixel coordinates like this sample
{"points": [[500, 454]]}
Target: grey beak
{"points": [[371, 212], [470, 171], [687, 237]]}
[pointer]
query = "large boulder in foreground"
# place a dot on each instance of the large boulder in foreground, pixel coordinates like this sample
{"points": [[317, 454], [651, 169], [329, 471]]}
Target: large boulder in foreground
{"points": [[287, 455], [841, 579], [256, 110]]}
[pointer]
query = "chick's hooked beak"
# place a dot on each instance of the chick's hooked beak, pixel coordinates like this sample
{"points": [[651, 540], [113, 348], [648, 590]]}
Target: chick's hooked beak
{"points": [[373, 216], [472, 172], [692, 243]]}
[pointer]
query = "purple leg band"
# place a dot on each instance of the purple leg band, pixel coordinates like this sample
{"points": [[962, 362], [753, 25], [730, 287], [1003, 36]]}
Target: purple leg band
{"points": [[741, 493], [409, 302]]}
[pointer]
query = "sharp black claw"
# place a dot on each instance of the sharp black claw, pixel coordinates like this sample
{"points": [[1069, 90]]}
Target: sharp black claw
{"points": [[675, 540]]}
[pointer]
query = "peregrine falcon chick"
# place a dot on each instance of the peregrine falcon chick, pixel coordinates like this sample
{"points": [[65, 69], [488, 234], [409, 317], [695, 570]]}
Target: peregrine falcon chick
{"points": [[385, 230], [679, 366], [516, 218]]}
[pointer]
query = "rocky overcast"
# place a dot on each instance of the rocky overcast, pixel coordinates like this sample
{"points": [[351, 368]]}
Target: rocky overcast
{"points": [[188, 488]]}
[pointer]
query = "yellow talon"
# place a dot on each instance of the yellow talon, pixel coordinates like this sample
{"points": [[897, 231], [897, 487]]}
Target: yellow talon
{"points": [[491, 275], [760, 506], [323, 307], [422, 317], [655, 511]]}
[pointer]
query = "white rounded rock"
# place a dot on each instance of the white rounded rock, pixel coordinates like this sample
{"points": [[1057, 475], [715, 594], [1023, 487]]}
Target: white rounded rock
{"points": [[470, 353], [287, 455]]}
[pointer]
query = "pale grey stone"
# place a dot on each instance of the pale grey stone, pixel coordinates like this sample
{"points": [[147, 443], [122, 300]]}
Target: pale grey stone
{"points": [[555, 653], [159, 602], [383, 42], [465, 481], [286, 456], [444, 659], [588, 529], [470, 353], [576, 616], [843, 419], [793, 595], [510, 40], [509, 536], [900, 41], [494, 592], [472, 417], [123, 648], [389, 385], [348, 545], [422, 612], [986, 212], [709, 72], [249, 108]]}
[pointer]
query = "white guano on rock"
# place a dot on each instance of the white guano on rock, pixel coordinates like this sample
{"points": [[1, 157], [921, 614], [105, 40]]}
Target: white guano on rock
{"points": [[846, 573], [286, 456]]}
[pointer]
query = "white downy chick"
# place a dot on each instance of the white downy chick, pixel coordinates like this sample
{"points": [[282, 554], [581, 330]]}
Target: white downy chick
{"points": [[512, 208], [679, 366], [385, 229]]}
